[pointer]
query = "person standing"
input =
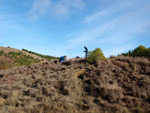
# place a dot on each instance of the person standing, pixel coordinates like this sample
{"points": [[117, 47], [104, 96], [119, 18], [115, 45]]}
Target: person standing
{"points": [[86, 51]]}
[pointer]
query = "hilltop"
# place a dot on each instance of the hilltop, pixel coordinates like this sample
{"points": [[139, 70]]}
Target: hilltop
{"points": [[117, 85]]}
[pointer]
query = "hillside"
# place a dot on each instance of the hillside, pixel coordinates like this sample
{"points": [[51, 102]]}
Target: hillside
{"points": [[10, 57], [8, 49], [118, 85]]}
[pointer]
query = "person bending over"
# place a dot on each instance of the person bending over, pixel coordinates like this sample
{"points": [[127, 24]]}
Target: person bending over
{"points": [[62, 59]]}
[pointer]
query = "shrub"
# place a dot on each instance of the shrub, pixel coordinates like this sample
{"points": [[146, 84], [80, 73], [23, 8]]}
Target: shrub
{"points": [[1, 52], [95, 55]]}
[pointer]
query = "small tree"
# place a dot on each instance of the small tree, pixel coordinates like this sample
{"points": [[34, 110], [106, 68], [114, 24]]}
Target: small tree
{"points": [[140, 51], [95, 55], [130, 54]]}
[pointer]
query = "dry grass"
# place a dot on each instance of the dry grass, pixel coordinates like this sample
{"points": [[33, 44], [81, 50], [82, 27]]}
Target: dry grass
{"points": [[117, 86], [4, 65]]}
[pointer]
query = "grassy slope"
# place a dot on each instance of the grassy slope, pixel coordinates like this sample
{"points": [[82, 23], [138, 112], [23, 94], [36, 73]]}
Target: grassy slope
{"points": [[8, 49], [10, 57]]}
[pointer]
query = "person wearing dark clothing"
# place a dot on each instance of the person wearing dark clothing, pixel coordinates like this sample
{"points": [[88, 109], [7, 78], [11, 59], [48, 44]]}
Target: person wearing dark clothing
{"points": [[62, 59], [86, 51]]}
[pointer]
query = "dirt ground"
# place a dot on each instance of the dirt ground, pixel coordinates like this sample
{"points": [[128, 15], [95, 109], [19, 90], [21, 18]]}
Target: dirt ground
{"points": [[117, 85]]}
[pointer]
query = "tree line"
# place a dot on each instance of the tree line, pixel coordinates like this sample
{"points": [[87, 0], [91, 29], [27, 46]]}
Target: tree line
{"points": [[140, 51], [40, 55]]}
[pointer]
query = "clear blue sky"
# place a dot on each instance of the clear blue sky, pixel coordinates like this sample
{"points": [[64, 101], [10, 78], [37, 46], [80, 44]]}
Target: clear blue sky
{"points": [[64, 27]]}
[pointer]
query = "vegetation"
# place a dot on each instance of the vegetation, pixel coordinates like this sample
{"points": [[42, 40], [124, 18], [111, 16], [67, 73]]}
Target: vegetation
{"points": [[43, 56], [95, 55], [12, 58], [18, 58], [1, 53], [4, 65], [120, 85], [140, 51]]}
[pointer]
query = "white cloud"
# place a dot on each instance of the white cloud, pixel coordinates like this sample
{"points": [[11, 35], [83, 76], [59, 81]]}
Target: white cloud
{"points": [[39, 8], [104, 13], [90, 35], [62, 8], [97, 15], [65, 7], [127, 8]]}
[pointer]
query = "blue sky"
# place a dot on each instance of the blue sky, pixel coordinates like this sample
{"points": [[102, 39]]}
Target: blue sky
{"points": [[64, 27]]}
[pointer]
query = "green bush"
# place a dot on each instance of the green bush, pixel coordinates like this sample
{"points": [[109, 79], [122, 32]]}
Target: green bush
{"points": [[95, 55], [1, 52]]}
